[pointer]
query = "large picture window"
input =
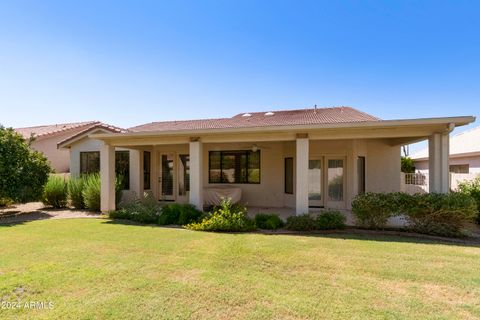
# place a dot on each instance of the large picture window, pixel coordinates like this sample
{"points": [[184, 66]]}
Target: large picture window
{"points": [[335, 179], [234, 167], [89, 162]]}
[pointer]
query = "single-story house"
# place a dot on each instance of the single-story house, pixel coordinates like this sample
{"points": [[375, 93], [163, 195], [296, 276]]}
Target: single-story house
{"points": [[464, 159], [46, 138], [464, 154], [298, 159]]}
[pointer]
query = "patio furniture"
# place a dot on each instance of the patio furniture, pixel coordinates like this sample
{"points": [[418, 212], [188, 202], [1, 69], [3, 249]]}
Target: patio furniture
{"points": [[212, 196]]}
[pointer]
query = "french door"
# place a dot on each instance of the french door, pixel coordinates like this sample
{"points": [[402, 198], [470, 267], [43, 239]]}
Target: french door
{"points": [[315, 182], [167, 177]]}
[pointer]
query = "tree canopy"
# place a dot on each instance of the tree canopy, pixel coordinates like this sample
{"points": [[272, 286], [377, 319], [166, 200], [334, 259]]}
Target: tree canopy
{"points": [[23, 171]]}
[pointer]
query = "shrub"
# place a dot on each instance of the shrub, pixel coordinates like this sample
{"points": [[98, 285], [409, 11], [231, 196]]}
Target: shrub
{"points": [[75, 192], [330, 219], [303, 222], [144, 211], [268, 221], [373, 210], [226, 217], [472, 188], [23, 171], [92, 191], [440, 214], [180, 214], [5, 202], [55, 192]]}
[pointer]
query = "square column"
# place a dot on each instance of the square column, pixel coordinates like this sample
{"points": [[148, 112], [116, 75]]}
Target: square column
{"points": [[136, 173], [438, 163], [301, 190], [196, 174], [107, 178]]}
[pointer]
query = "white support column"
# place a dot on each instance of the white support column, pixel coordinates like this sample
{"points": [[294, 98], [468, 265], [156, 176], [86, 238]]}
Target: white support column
{"points": [[107, 177], [301, 190], [196, 174], [136, 173], [438, 162]]}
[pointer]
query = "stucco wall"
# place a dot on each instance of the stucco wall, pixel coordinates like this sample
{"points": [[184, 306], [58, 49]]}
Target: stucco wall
{"points": [[59, 158], [383, 167], [472, 161]]}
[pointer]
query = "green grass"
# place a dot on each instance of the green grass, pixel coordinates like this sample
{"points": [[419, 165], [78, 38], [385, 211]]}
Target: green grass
{"points": [[94, 269]]}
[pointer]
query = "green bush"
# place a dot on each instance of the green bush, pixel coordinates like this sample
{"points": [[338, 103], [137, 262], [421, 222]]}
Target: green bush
{"points": [[5, 202], [303, 222], [179, 214], [23, 171], [226, 217], [55, 192], [92, 191], [472, 188], [373, 210], [331, 219], [268, 221], [75, 192], [144, 211], [440, 214]]}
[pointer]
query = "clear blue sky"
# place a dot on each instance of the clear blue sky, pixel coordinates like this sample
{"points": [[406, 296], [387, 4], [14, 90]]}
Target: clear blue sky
{"points": [[128, 63]]}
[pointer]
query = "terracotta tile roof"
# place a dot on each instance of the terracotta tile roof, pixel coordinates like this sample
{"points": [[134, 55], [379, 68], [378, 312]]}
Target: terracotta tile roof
{"points": [[93, 126], [267, 118], [46, 130]]}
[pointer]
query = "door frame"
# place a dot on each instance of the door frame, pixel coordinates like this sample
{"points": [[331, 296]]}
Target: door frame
{"points": [[161, 196], [318, 203]]}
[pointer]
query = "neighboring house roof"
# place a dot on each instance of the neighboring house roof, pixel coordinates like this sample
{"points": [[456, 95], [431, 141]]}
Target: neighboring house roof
{"points": [[264, 119], [94, 126], [48, 130], [464, 143]]}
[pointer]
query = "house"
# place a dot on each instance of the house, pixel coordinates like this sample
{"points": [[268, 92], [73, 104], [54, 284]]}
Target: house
{"points": [[464, 158], [297, 159], [464, 153], [46, 138]]}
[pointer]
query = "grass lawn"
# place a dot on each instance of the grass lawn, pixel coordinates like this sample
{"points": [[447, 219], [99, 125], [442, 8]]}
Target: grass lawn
{"points": [[93, 268]]}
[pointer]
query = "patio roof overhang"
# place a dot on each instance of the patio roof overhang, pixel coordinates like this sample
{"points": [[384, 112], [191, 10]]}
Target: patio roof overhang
{"points": [[396, 132]]}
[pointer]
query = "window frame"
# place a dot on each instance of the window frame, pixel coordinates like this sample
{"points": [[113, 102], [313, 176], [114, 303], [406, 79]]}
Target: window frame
{"points": [[285, 176], [87, 153], [361, 183], [147, 173], [247, 165]]}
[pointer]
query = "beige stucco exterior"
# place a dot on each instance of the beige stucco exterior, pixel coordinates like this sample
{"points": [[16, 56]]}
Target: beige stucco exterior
{"points": [[378, 142]]}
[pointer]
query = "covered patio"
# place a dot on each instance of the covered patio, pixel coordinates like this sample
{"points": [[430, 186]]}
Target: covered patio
{"points": [[289, 169]]}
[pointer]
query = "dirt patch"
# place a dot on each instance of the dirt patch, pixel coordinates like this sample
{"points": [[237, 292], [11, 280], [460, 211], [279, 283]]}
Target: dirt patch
{"points": [[37, 211]]}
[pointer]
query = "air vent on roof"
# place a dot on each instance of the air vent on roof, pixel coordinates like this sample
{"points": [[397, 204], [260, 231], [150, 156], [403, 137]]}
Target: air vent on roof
{"points": [[269, 113], [246, 115]]}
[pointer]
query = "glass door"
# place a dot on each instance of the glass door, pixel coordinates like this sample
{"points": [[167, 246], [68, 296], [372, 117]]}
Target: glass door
{"points": [[315, 190], [167, 177]]}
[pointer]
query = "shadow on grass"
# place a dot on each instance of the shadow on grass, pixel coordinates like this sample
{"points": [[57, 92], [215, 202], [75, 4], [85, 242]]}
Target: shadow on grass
{"points": [[19, 219], [345, 234]]}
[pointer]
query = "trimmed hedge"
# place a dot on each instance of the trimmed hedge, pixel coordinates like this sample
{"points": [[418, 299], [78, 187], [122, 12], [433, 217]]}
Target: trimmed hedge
{"points": [[472, 188], [268, 221], [430, 213], [179, 214], [331, 219], [303, 222]]}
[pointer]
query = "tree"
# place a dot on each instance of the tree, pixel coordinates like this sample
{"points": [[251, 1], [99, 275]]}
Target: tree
{"points": [[23, 171], [407, 165]]}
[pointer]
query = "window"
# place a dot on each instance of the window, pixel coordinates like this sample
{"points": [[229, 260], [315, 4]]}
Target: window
{"points": [[146, 170], [234, 167], [361, 174], [459, 168], [289, 175], [335, 179], [184, 175], [89, 162], [122, 168]]}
